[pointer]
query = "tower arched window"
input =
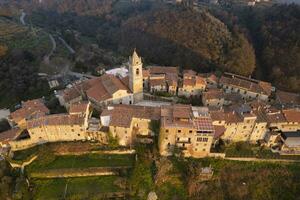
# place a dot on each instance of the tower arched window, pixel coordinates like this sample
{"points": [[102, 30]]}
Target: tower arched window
{"points": [[137, 71]]}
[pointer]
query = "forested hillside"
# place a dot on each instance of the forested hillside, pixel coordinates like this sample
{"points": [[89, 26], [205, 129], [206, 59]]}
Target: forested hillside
{"points": [[188, 39], [275, 34]]}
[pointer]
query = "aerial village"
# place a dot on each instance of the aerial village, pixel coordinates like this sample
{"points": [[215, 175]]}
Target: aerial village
{"points": [[230, 108]]}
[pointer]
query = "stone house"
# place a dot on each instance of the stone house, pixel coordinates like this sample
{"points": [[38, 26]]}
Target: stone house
{"points": [[187, 129]]}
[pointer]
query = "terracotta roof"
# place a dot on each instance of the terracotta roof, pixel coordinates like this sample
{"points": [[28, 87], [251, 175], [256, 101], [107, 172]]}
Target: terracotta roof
{"points": [[125, 81], [172, 79], [157, 82], [55, 120], [233, 117], [193, 81], [78, 108], [275, 116], [78, 89], [189, 73], [292, 115], [217, 115], [132, 111], [213, 94], [163, 70], [105, 86], [9, 135], [213, 77], [219, 131], [179, 115], [287, 97], [246, 83], [146, 73], [182, 111], [30, 109]]}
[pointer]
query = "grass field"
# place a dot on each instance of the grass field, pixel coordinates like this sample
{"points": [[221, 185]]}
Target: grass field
{"points": [[77, 188], [81, 162]]}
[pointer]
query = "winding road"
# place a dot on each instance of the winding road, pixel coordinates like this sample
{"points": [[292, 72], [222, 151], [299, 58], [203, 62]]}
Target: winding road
{"points": [[47, 57], [22, 18], [71, 50]]}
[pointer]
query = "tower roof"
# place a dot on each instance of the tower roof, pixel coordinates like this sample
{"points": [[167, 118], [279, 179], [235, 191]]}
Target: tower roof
{"points": [[135, 59]]}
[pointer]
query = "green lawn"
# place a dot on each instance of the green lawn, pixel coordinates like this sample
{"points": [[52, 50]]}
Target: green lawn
{"points": [[81, 161], [78, 188]]}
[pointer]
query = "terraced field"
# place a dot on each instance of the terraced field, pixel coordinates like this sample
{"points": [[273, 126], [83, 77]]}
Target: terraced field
{"points": [[14, 35], [78, 188]]}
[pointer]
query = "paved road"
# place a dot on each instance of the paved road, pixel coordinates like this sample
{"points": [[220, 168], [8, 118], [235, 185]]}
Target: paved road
{"points": [[71, 50], [22, 18], [47, 57]]}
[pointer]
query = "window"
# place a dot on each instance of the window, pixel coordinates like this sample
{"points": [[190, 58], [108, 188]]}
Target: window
{"points": [[189, 140], [166, 138], [78, 134], [167, 130], [137, 72], [179, 131], [191, 131], [244, 127]]}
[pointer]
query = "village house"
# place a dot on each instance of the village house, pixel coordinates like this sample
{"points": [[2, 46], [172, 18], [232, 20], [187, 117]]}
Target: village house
{"points": [[73, 126], [192, 84], [249, 88], [135, 122], [30, 109], [187, 129], [108, 89], [283, 120], [291, 142], [213, 98], [239, 124], [211, 80], [162, 79], [157, 83]]}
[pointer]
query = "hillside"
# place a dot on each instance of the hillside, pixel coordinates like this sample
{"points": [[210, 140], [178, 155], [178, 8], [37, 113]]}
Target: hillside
{"points": [[275, 33], [187, 39]]}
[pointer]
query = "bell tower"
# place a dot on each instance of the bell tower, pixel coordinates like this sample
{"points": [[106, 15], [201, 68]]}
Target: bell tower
{"points": [[136, 76]]}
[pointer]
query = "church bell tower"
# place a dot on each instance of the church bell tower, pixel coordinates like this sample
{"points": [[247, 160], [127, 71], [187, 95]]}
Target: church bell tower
{"points": [[136, 76]]}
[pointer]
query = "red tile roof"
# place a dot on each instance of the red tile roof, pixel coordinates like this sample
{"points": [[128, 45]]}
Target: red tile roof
{"points": [[78, 107], [55, 120], [292, 115], [245, 83], [9, 135], [163, 70], [99, 89], [213, 94], [30, 109], [132, 111], [157, 82], [287, 97]]}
